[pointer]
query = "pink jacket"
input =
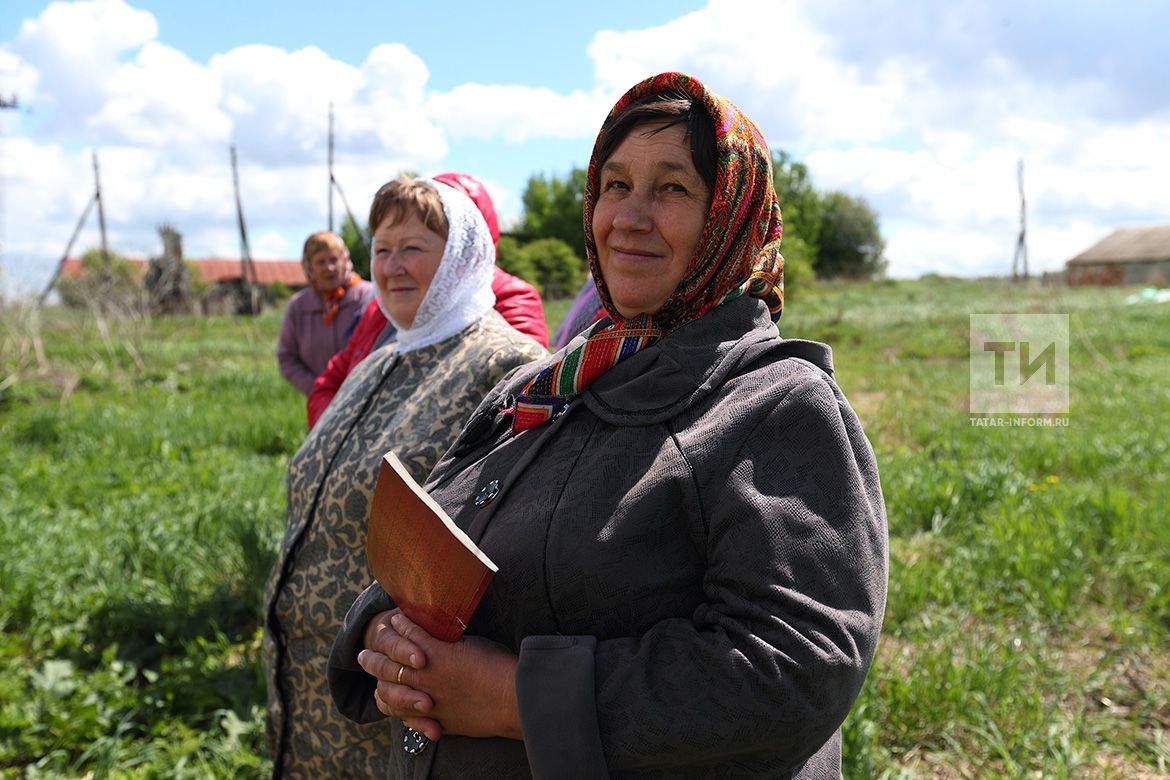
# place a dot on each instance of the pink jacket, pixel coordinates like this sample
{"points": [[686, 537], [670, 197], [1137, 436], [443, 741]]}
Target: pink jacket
{"points": [[517, 301], [306, 343]]}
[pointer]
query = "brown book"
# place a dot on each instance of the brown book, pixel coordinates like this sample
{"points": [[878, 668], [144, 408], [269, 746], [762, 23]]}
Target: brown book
{"points": [[431, 568]]}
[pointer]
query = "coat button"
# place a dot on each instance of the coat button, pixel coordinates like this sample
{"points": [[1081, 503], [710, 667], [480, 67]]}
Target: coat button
{"points": [[487, 493]]}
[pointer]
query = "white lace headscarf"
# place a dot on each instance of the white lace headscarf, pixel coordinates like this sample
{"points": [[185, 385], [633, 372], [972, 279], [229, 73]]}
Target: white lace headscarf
{"points": [[461, 292]]}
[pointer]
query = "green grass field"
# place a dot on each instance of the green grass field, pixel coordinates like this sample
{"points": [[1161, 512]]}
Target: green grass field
{"points": [[142, 468]]}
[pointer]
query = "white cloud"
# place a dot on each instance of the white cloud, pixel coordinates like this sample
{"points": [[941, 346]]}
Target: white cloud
{"points": [[76, 48], [162, 99], [270, 243], [386, 119], [518, 113], [914, 249], [776, 68], [20, 80], [395, 73], [279, 103], [28, 167]]}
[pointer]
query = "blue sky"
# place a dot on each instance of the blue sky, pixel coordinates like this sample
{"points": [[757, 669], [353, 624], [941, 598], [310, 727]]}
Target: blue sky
{"points": [[458, 41], [922, 108]]}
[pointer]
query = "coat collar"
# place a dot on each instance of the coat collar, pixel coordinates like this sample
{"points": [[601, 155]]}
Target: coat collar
{"points": [[690, 363]]}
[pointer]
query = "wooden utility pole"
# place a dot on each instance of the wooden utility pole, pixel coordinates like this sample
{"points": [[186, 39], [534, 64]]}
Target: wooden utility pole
{"points": [[1020, 261], [246, 270], [334, 184], [12, 105], [97, 183], [330, 167]]}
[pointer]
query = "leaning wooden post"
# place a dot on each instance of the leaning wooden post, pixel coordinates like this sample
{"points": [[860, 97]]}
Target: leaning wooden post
{"points": [[246, 270], [68, 248]]}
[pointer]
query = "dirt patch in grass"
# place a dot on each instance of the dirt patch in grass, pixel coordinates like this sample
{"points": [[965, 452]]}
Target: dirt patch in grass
{"points": [[1110, 765], [936, 766], [1122, 678]]}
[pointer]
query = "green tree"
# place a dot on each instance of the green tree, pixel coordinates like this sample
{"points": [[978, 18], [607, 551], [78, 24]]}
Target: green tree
{"points": [[549, 264], [552, 209], [559, 270], [511, 257], [800, 203], [851, 240], [357, 241], [803, 210], [798, 274]]}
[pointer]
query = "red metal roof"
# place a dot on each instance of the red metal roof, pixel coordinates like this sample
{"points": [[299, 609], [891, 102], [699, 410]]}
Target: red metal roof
{"points": [[216, 270], [287, 272], [72, 267]]}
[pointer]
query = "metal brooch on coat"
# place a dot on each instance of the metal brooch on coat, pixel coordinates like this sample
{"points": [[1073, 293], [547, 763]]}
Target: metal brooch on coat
{"points": [[413, 742]]}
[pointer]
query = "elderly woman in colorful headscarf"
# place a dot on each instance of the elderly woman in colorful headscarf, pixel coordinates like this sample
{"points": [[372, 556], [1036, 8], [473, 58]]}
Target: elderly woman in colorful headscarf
{"points": [[432, 261], [685, 512], [319, 319]]}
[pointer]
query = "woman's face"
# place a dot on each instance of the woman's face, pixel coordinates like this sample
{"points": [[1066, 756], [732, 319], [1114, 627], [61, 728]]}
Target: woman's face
{"points": [[328, 268], [651, 208], [406, 257]]}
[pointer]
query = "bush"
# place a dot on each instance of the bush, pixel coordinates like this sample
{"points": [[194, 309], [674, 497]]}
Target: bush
{"points": [[195, 281], [560, 270], [278, 292], [511, 257], [119, 289], [549, 264], [798, 268], [851, 243]]}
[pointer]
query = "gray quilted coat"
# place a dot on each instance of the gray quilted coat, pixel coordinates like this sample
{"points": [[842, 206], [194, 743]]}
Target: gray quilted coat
{"points": [[693, 566]]}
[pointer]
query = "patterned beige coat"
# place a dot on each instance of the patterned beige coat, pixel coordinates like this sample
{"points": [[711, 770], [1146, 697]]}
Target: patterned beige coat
{"points": [[414, 404]]}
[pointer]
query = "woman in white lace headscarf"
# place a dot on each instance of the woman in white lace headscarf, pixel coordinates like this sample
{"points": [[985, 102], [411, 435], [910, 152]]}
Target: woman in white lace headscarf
{"points": [[432, 262]]}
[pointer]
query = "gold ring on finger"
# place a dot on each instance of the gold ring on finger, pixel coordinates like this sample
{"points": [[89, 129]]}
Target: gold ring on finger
{"points": [[401, 669]]}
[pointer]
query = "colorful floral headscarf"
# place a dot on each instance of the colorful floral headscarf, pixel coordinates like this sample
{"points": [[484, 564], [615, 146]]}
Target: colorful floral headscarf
{"points": [[738, 252]]}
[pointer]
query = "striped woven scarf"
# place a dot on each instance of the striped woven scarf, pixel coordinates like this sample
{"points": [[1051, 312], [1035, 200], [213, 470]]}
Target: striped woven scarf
{"points": [[738, 252], [553, 387]]}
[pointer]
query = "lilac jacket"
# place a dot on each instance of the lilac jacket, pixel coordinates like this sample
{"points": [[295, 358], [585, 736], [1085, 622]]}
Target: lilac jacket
{"points": [[306, 342]]}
